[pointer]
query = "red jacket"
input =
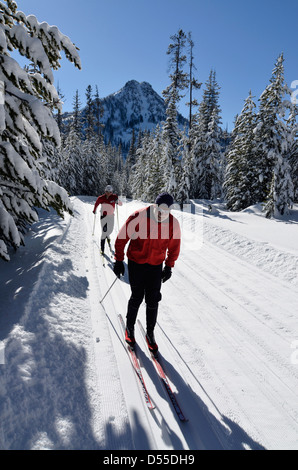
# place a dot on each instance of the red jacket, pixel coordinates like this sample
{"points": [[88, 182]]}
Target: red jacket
{"points": [[107, 204], [151, 242]]}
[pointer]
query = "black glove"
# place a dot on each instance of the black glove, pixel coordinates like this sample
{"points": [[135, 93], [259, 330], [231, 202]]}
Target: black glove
{"points": [[119, 268], [166, 273]]}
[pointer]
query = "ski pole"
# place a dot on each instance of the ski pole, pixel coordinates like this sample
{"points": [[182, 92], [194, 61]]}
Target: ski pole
{"points": [[108, 290], [117, 216], [94, 224]]}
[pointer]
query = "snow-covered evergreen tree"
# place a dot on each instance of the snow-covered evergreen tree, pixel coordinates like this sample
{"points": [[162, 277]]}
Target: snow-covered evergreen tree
{"points": [[131, 155], [213, 157], [139, 177], [205, 140], [273, 144], [293, 148], [89, 116], [71, 170], [92, 174], [241, 182], [156, 181], [171, 136], [186, 171], [118, 180], [27, 101], [281, 195], [98, 114]]}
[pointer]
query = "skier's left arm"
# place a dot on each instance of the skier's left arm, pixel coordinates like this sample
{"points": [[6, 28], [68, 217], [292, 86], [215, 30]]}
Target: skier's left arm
{"points": [[172, 253], [116, 200]]}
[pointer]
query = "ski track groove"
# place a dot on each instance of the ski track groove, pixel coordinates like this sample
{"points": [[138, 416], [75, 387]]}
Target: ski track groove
{"points": [[256, 271], [115, 334], [107, 411], [113, 411], [226, 313]]}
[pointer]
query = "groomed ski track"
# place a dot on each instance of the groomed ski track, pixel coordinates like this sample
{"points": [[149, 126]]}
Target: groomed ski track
{"points": [[134, 426], [226, 324], [224, 350]]}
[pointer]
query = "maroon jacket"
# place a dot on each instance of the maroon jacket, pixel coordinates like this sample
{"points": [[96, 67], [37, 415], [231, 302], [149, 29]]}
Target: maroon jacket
{"points": [[107, 204]]}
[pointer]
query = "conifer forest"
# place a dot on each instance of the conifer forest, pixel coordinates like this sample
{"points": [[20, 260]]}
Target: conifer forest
{"points": [[44, 159]]}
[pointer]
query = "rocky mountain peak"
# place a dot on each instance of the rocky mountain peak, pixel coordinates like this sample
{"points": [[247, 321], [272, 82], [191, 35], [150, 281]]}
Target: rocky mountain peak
{"points": [[136, 106]]}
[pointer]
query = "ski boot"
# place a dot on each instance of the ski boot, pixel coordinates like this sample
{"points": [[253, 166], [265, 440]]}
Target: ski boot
{"points": [[130, 337], [153, 348]]}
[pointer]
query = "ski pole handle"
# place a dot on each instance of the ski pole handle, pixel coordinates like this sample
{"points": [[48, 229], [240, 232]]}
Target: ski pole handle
{"points": [[108, 290]]}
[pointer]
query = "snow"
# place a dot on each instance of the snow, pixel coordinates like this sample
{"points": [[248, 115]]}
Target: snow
{"points": [[227, 333]]}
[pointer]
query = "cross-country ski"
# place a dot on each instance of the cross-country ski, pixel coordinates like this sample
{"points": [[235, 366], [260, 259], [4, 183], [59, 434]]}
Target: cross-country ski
{"points": [[164, 379], [137, 368]]}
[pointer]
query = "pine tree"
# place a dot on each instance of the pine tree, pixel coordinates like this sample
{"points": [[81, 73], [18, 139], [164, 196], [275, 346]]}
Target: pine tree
{"points": [[89, 118], [171, 137], [179, 78], [213, 157], [77, 121], [272, 136], [92, 176], [193, 83], [131, 156], [171, 134], [118, 181], [138, 179], [59, 119], [25, 119], [156, 183], [184, 190], [241, 184], [206, 135], [98, 114], [293, 148], [71, 171]]}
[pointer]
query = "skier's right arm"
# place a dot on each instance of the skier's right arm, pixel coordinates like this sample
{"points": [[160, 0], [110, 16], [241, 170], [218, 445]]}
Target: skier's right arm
{"points": [[120, 243], [98, 201], [126, 232]]}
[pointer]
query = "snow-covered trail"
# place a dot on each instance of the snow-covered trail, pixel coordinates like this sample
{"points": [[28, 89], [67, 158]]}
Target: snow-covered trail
{"points": [[226, 327]]}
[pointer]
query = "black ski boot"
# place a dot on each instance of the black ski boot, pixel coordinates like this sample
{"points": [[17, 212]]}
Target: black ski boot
{"points": [[151, 343], [130, 337]]}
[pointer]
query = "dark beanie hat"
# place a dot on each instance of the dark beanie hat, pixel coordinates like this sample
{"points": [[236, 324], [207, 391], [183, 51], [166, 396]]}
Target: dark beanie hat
{"points": [[164, 198]]}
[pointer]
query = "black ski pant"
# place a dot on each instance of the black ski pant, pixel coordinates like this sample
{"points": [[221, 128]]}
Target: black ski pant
{"points": [[145, 282], [107, 226]]}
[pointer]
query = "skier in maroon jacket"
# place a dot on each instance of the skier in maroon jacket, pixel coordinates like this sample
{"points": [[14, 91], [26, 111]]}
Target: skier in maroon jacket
{"points": [[107, 201], [155, 237]]}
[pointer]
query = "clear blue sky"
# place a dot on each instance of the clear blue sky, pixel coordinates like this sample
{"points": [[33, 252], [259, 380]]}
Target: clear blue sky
{"points": [[121, 40]]}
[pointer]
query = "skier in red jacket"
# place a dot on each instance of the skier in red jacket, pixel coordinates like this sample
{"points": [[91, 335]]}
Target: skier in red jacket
{"points": [[107, 201], [155, 237]]}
